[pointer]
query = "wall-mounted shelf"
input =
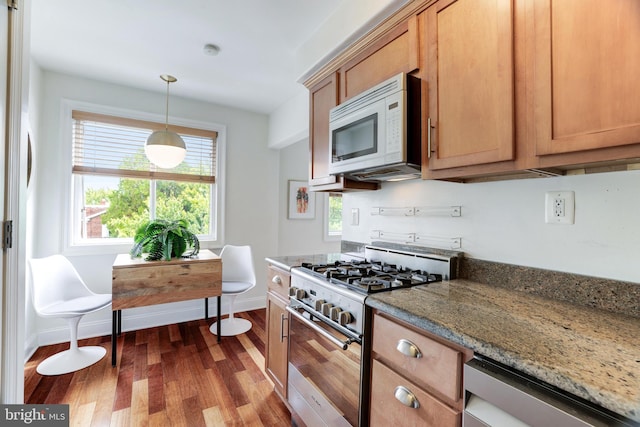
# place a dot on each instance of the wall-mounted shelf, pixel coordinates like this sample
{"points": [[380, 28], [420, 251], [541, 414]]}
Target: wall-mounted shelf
{"points": [[453, 211], [422, 239]]}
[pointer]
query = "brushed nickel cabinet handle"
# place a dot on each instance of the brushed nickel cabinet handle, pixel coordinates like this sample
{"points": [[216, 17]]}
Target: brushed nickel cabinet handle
{"points": [[277, 280], [429, 138], [282, 319], [409, 349], [404, 396]]}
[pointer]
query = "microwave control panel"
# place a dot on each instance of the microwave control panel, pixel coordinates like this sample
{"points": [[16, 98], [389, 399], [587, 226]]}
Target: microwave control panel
{"points": [[395, 125]]}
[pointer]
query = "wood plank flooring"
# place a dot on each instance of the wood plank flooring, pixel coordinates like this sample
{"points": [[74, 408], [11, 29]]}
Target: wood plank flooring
{"points": [[174, 375]]}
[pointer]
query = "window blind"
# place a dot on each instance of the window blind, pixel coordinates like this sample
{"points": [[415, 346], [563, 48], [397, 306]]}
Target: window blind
{"points": [[114, 146]]}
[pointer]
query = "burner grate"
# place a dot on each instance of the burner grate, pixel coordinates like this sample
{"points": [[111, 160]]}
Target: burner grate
{"points": [[370, 276]]}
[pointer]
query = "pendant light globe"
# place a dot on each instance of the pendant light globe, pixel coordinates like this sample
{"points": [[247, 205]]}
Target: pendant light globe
{"points": [[164, 148]]}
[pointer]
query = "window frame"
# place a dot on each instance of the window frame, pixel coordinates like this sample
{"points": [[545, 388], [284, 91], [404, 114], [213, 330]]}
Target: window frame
{"points": [[328, 235], [120, 245]]}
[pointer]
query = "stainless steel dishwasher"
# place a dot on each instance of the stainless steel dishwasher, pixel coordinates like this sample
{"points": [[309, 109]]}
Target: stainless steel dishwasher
{"points": [[498, 396]]}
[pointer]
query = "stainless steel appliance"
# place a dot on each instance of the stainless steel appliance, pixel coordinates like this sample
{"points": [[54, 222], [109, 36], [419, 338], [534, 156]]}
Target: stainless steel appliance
{"points": [[498, 396], [328, 329], [376, 135]]}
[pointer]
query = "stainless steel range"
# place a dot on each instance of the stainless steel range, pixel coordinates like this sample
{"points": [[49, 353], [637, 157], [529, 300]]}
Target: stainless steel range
{"points": [[329, 328]]}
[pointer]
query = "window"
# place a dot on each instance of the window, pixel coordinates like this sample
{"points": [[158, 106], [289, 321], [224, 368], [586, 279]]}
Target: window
{"points": [[115, 188], [333, 216]]}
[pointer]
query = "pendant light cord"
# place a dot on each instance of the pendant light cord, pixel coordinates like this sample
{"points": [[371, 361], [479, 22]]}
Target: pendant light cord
{"points": [[166, 119]]}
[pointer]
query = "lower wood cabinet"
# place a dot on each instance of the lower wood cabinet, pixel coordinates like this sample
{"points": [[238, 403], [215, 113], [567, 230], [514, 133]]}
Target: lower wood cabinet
{"points": [[397, 401], [416, 377], [277, 329]]}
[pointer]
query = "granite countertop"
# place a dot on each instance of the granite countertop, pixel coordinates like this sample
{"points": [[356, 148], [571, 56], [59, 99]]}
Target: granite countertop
{"points": [[287, 262], [591, 353]]}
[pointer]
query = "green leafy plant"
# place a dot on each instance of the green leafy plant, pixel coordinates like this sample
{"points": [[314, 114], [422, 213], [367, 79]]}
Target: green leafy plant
{"points": [[162, 240]]}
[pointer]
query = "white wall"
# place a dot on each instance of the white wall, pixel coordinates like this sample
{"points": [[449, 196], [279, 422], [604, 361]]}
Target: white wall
{"points": [[504, 221], [290, 122], [35, 92], [251, 193], [300, 236]]}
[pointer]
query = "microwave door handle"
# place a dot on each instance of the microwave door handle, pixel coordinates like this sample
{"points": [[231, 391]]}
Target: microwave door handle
{"points": [[342, 344]]}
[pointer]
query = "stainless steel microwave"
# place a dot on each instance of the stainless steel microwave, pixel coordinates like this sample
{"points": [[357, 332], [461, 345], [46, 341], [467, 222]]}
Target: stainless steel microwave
{"points": [[375, 136]]}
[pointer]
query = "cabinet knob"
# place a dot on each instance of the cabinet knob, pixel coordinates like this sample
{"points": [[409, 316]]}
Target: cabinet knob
{"points": [[404, 396], [276, 280], [408, 348]]}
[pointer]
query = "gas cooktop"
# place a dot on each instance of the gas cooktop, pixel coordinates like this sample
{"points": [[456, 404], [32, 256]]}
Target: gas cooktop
{"points": [[366, 276]]}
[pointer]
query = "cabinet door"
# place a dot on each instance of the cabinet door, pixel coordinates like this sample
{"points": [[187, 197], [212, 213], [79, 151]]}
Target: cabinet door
{"points": [[470, 68], [323, 97], [395, 52], [276, 349], [587, 60]]}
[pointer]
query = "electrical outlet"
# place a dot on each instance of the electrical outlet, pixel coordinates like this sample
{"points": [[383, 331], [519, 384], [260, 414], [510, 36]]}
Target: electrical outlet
{"points": [[559, 207]]}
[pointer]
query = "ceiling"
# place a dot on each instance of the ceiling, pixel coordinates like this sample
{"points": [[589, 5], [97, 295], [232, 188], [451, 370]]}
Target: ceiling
{"points": [[132, 42]]}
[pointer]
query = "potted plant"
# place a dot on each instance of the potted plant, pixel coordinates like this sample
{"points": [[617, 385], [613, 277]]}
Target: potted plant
{"points": [[163, 239]]}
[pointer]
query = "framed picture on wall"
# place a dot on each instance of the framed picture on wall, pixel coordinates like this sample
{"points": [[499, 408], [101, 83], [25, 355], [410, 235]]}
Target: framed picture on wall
{"points": [[301, 201]]}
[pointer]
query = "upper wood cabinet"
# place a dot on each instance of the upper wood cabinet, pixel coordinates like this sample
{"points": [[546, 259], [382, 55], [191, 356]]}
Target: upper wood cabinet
{"points": [[395, 52], [513, 87], [586, 86], [469, 53], [323, 96]]}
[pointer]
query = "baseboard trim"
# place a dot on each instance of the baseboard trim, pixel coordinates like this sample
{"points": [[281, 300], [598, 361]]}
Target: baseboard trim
{"points": [[140, 318]]}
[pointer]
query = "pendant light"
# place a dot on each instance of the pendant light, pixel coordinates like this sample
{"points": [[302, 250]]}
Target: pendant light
{"points": [[165, 149]]}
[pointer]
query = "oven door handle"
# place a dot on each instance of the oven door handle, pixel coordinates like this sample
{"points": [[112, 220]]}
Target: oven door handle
{"points": [[342, 344]]}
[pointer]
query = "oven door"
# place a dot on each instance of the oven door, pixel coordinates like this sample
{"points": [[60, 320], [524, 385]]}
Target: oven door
{"points": [[324, 371]]}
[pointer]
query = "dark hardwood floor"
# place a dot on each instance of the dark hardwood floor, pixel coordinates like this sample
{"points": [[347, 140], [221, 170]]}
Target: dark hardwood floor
{"points": [[174, 375]]}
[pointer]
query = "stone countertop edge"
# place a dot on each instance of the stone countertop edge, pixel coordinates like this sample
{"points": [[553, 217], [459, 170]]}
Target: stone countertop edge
{"points": [[591, 353], [287, 262]]}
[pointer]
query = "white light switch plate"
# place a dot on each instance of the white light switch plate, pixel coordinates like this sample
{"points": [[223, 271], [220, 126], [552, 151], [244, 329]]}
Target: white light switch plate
{"points": [[355, 216]]}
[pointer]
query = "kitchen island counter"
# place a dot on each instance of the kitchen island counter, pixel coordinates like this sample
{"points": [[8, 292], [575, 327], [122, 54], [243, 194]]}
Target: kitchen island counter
{"points": [[591, 353]]}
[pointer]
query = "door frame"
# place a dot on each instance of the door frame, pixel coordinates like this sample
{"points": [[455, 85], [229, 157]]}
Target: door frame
{"points": [[12, 349]]}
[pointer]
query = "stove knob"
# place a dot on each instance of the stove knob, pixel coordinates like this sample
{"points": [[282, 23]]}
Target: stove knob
{"points": [[318, 305], [344, 318], [326, 308], [300, 293], [335, 313], [292, 291]]}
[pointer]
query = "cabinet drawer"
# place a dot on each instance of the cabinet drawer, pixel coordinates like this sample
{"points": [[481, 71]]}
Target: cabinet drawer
{"points": [[434, 366], [278, 281], [387, 409]]}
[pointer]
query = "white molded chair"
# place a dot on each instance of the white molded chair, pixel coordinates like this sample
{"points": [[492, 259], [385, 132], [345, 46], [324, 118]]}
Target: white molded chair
{"points": [[238, 276], [58, 291]]}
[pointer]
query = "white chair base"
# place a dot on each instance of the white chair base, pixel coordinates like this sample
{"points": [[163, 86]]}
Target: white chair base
{"points": [[71, 360], [231, 326]]}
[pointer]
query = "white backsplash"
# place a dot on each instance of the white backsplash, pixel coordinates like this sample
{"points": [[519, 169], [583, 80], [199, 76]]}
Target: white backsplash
{"points": [[504, 221]]}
